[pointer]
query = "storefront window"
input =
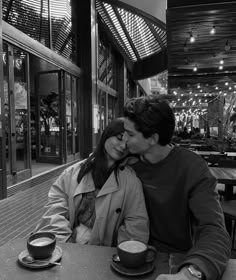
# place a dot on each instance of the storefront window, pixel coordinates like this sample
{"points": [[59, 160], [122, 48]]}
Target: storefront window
{"points": [[68, 102]]}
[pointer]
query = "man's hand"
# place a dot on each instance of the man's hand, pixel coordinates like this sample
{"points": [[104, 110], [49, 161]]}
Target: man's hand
{"points": [[183, 274]]}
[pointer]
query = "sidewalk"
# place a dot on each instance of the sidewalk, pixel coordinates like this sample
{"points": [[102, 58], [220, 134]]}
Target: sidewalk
{"points": [[22, 209], [20, 213]]}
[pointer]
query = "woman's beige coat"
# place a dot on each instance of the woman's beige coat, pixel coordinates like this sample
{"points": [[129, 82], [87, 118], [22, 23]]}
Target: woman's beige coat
{"points": [[120, 208]]}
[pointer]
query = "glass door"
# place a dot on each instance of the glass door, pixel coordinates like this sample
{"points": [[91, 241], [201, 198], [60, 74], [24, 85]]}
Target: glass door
{"points": [[16, 109], [57, 139], [49, 117]]}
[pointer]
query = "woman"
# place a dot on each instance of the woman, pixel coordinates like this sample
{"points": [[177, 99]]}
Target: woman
{"points": [[99, 200]]}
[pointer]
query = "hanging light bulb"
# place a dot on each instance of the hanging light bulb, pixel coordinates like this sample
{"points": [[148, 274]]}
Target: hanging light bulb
{"points": [[221, 67], [195, 68], [213, 30], [191, 39], [222, 61]]}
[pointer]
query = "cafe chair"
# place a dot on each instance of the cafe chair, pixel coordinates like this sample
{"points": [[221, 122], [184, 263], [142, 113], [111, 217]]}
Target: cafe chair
{"points": [[213, 160], [229, 210], [229, 163]]}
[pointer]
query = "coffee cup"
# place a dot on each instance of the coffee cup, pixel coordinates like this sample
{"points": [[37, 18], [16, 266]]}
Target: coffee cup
{"points": [[134, 253], [41, 245]]}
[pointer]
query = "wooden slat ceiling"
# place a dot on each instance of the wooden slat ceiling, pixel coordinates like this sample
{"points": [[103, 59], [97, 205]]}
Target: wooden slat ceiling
{"points": [[136, 35], [207, 50], [197, 88]]}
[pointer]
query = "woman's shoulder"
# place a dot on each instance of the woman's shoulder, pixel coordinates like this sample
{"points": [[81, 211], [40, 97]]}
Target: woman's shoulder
{"points": [[74, 168]]}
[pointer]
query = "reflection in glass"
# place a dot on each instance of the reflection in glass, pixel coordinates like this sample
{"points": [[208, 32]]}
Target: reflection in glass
{"points": [[75, 115], [49, 114], [68, 101], [111, 108], [6, 106], [21, 108]]}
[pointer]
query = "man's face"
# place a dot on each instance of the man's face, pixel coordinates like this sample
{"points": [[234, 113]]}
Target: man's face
{"points": [[135, 140]]}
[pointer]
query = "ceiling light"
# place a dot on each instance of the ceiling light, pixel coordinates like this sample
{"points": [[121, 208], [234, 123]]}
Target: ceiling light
{"points": [[222, 61], [195, 68], [213, 30], [221, 67]]}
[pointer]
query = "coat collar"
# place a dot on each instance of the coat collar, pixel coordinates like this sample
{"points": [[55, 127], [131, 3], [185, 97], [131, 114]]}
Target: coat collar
{"points": [[87, 185]]}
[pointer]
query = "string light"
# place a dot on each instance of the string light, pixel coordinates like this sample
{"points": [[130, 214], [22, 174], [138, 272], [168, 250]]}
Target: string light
{"points": [[213, 30], [191, 39]]}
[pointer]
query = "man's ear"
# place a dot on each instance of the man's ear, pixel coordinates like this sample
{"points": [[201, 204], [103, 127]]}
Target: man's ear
{"points": [[154, 139]]}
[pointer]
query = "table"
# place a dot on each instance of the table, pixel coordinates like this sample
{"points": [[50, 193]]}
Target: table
{"points": [[225, 176], [208, 153], [80, 262]]}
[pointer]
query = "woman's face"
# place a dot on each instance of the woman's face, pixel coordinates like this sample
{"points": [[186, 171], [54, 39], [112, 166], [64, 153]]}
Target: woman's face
{"points": [[115, 149]]}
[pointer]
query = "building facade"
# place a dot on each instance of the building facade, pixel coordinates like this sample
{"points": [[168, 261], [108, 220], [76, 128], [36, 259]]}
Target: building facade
{"points": [[62, 80]]}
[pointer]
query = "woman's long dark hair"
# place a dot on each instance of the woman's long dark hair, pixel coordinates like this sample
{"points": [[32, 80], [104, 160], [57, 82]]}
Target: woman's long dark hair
{"points": [[97, 161]]}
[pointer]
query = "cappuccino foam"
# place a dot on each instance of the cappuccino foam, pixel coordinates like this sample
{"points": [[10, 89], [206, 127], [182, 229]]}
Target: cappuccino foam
{"points": [[132, 246], [41, 241]]}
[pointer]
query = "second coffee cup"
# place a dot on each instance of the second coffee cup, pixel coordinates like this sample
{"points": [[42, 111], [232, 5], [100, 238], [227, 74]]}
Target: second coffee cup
{"points": [[134, 253]]}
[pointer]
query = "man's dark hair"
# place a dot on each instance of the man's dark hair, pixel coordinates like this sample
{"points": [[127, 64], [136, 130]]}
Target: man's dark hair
{"points": [[151, 114]]}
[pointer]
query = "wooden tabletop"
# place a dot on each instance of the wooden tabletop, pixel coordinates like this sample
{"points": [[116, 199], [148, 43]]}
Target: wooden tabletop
{"points": [[79, 262], [224, 175], [207, 153]]}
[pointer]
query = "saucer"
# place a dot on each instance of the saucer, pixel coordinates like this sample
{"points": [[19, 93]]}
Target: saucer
{"points": [[56, 256], [138, 271]]}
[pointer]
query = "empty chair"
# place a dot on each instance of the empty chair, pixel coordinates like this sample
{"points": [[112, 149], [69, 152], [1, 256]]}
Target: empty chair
{"points": [[213, 160], [229, 163], [229, 209]]}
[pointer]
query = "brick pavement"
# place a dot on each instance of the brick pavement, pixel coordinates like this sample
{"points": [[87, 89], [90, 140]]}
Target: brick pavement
{"points": [[20, 213]]}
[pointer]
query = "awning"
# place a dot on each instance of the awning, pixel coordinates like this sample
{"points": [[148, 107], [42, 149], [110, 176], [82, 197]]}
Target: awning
{"points": [[138, 36]]}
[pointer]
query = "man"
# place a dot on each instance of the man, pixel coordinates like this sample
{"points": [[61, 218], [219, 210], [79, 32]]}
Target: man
{"points": [[183, 207]]}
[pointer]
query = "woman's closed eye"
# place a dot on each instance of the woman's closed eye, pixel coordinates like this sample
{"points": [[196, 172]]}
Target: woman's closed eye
{"points": [[120, 136]]}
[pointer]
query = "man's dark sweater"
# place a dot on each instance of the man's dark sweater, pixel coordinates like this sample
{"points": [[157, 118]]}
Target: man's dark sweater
{"points": [[184, 211]]}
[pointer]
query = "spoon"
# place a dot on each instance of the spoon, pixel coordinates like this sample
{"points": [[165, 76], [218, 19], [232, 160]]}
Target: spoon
{"points": [[28, 259], [115, 258]]}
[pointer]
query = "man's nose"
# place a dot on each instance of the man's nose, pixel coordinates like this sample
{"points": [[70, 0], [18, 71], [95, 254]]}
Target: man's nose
{"points": [[123, 144], [124, 138]]}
